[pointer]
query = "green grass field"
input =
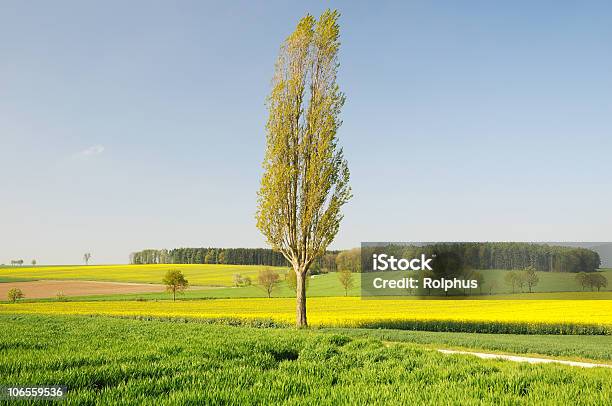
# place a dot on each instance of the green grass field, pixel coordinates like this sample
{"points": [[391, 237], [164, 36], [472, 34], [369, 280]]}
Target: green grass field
{"points": [[191, 363], [579, 348]]}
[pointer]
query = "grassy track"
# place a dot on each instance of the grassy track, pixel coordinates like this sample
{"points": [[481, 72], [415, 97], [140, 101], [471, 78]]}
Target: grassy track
{"points": [[578, 348], [210, 364], [485, 316]]}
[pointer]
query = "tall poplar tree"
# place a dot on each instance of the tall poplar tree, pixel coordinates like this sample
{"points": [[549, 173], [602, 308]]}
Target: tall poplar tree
{"points": [[306, 178]]}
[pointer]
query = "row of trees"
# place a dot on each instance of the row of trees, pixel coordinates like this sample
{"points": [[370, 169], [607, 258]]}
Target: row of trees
{"points": [[592, 280], [500, 255], [233, 256], [268, 280], [488, 255], [526, 277], [86, 258]]}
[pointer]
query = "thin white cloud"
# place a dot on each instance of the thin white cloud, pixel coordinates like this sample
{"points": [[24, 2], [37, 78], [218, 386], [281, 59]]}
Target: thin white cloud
{"points": [[89, 152]]}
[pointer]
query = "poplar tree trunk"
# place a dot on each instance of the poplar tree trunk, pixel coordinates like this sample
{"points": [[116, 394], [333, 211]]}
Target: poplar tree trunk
{"points": [[300, 298]]}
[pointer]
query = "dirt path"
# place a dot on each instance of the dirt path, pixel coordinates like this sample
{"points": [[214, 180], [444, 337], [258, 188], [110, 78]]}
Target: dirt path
{"points": [[50, 288], [531, 360]]}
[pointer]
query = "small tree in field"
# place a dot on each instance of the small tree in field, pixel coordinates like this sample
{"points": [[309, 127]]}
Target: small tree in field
{"points": [[268, 279], [493, 285], [306, 178], [601, 282], [175, 282], [33, 262], [15, 294], [583, 279], [87, 257], [511, 279], [521, 280], [597, 280], [530, 277], [345, 276], [240, 281]]}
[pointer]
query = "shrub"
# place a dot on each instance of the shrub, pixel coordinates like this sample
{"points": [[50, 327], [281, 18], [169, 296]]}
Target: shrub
{"points": [[15, 294]]}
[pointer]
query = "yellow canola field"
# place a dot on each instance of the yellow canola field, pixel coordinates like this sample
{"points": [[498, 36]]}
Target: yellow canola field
{"points": [[196, 274], [345, 311]]}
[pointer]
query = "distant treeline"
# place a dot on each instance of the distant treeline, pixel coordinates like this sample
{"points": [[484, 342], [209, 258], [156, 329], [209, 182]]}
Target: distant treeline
{"points": [[234, 256], [502, 255]]}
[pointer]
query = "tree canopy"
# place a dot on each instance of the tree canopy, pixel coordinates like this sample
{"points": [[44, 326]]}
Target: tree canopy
{"points": [[306, 178]]}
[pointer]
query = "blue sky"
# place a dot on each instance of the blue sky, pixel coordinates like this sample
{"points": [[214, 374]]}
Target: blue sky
{"points": [[130, 125]]}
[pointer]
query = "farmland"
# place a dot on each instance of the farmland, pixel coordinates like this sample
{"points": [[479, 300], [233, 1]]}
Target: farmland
{"points": [[493, 316], [210, 347], [221, 278], [212, 364], [65, 288], [204, 275]]}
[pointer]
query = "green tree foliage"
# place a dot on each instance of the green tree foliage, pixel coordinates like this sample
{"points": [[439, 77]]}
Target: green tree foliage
{"points": [[306, 178], [328, 262], [15, 294], [582, 279], [198, 258], [530, 277], [234, 256], [350, 260], [268, 279], [596, 281], [521, 280], [240, 281], [175, 282], [593, 280], [512, 279], [211, 257], [345, 276]]}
